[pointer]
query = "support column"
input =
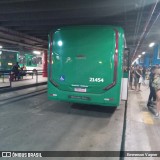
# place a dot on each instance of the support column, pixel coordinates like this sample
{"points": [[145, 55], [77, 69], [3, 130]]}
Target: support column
{"points": [[44, 64]]}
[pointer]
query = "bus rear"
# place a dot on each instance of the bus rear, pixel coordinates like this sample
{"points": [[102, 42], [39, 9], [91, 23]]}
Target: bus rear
{"points": [[85, 65]]}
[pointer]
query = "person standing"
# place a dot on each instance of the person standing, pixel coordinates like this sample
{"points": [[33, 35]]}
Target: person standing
{"points": [[144, 75], [152, 94], [131, 77], [138, 75], [156, 85]]}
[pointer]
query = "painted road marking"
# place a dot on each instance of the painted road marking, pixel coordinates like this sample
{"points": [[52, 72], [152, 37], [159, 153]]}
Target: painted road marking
{"points": [[147, 118]]}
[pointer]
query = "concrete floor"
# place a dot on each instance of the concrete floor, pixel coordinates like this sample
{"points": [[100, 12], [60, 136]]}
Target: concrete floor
{"points": [[30, 122], [143, 130]]}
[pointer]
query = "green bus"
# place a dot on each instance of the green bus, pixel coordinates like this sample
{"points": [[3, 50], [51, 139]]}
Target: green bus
{"points": [[86, 64], [9, 57]]}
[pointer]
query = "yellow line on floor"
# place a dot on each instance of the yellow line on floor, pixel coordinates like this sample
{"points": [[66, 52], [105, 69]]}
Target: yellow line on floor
{"points": [[147, 118]]}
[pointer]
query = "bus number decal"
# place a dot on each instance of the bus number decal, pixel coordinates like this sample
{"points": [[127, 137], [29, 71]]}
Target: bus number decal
{"points": [[96, 79]]}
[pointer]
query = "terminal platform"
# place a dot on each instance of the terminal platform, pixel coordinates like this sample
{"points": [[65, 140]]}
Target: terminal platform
{"points": [[27, 81]]}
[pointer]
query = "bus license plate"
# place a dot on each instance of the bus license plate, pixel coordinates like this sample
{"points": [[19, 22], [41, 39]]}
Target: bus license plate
{"points": [[80, 89]]}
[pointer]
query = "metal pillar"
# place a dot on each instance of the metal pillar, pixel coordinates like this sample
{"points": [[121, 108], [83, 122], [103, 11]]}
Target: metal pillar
{"points": [[44, 63]]}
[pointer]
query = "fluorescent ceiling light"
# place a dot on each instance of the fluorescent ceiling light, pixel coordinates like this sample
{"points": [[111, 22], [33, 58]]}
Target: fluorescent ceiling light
{"points": [[36, 52], [133, 61], [136, 59], [1, 47], [151, 44], [143, 52], [139, 56]]}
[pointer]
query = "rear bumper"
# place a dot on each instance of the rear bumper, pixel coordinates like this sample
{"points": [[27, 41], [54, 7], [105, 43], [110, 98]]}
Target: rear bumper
{"points": [[105, 99]]}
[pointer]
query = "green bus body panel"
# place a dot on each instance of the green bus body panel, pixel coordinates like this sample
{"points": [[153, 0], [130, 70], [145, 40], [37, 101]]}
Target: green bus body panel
{"points": [[81, 64]]}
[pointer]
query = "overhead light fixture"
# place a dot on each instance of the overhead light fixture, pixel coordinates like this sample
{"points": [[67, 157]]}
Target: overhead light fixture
{"points": [[143, 53], [1, 47], [36, 52], [139, 56], [135, 60], [151, 44]]}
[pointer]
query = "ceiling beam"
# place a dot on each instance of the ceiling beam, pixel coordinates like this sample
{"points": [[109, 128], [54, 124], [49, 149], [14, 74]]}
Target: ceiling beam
{"points": [[14, 34], [22, 44], [15, 1], [71, 20], [28, 28], [74, 13], [109, 8]]}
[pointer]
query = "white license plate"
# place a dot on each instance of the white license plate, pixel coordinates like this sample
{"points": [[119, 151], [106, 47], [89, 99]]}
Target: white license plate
{"points": [[80, 89]]}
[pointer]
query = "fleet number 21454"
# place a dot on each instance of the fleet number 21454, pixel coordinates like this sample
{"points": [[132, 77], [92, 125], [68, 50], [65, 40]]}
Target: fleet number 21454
{"points": [[96, 79]]}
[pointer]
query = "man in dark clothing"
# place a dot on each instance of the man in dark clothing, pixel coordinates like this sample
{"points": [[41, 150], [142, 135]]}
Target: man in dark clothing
{"points": [[15, 70], [152, 90], [131, 77], [144, 74]]}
